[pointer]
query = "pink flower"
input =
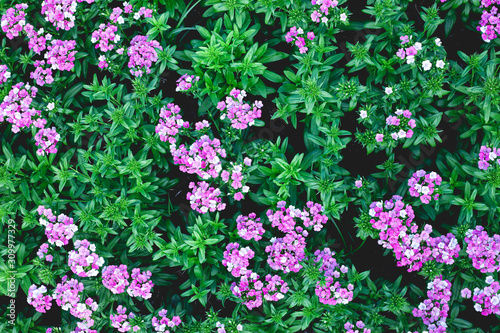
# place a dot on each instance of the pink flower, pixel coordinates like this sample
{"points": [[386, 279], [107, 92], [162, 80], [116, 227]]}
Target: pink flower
{"points": [[310, 35]]}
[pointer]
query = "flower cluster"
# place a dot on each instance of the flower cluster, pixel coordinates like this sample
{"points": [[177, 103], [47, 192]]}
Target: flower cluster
{"points": [[332, 293], [37, 42], [235, 179], [204, 198], [36, 298], [106, 37], [321, 10], [426, 187], [237, 260], [203, 157], [46, 138], [57, 233], [286, 253], [200, 125], [185, 82], [489, 25], [408, 51], [359, 324], [399, 233], [487, 300], [284, 219], [329, 264], [120, 322], [434, 310], [81, 261], [16, 110], [328, 291], [115, 278], [67, 293], [170, 123], [249, 289], [143, 11], [61, 13], [42, 252], [403, 123], [275, 288], [141, 284], [59, 54], [483, 250], [162, 324], [242, 115], [13, 20], [249, 227], [116, 17], [487, 155], [295, 35], [4, 73], [142, 55], [84, 311], [41, 74]]}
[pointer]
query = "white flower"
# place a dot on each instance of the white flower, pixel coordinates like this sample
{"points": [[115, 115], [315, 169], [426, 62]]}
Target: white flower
{"points": [[388, 90], [6, 75], [50, 106], [245, 189], [410, 59], [92, 247], [426, 65], [22, 22], [402, 213], [343, 17], [401, 134], [440, 64], [116, 39], [120, 20], [438, 41], [324, 19], [4, 23], [59, 243], [102, 58], [399, 112], [239, 327], [425, 190], [418, 46], [483, 29], [433, 175], [300, 31], [137, 16], [371, 212], [48, 36], [489, 279], [363, 114]]}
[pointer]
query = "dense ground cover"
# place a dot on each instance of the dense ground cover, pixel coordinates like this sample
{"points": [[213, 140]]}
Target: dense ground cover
{"points": [[249, 166]]}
